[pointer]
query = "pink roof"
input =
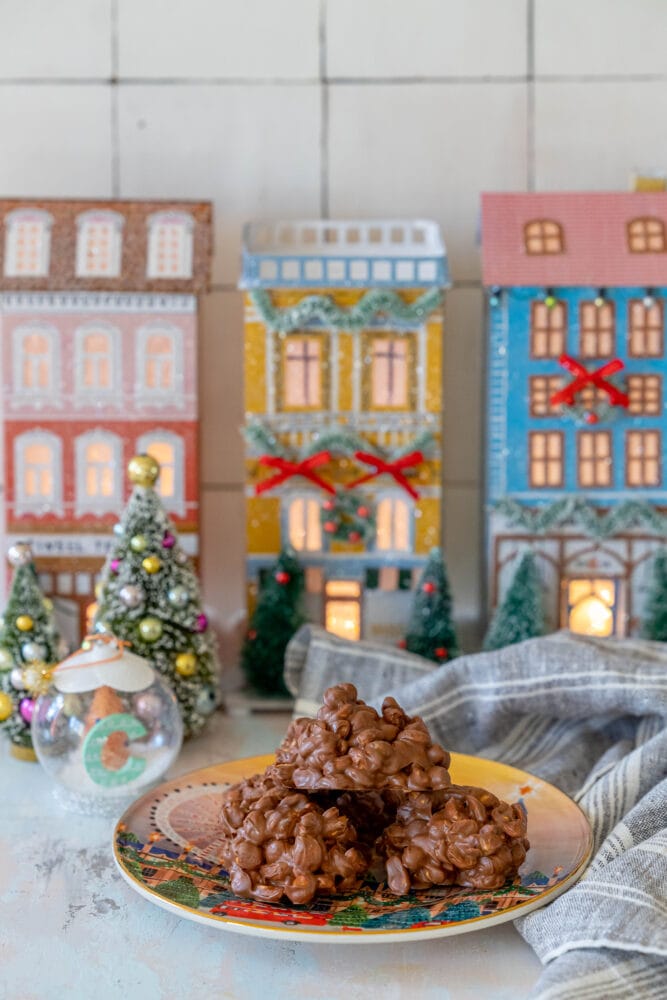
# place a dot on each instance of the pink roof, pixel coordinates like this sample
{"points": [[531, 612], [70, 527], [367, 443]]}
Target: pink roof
{"points": [[594, 225]]}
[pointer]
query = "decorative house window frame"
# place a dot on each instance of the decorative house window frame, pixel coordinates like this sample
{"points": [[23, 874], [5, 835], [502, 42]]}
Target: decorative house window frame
{"points": [[646, 234], [543, 236], [84, 393], [370, 340], [645, 395], [86, 264], [174, 503], [594, 459], [36, 395], [643, 458], [646, 329], [14, 223], [158, 395], [395, 502], [309, 515], [345, 592], [321, 368], [546, 461], [178, 227], [548, 329], [25, 503], [597, 329], [97, 503], [540, 390]]}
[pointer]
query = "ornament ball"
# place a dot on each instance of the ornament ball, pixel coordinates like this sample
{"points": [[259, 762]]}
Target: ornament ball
{"points": [[26, 708], [138, 543], [282, 577], [181, 557], [329, 527], [131, 595], [186, 664], [114, 565], [328, 505], [16, 679], [150, 629], [24, 623], [441, 653], [151, 564], [363, 511], [429, 587], [31, 651], [168, 541], [6, 706], [143, 470], [148, 706], [201, 624], [178, 596], [205, 703], [19, 554], [354, 536]]}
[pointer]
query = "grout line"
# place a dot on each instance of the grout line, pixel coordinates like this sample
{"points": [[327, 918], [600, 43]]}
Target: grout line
{"points": [[324, 111], [115, 114], [530, 95]]}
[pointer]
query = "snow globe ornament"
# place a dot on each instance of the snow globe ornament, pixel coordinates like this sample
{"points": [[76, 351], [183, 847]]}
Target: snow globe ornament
{"points": [[107, 729]]}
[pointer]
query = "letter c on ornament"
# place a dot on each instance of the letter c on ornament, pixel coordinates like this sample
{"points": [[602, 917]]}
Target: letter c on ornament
{"points": [[121, 722]]}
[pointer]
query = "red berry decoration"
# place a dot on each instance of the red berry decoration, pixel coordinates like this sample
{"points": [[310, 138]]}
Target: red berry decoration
{"points": [[329, 527], [282, 577], [441, 653], [591, 418], [429, 587], [402, 644], [328, 505], [252, 634], [354, 536], [363, 511]]}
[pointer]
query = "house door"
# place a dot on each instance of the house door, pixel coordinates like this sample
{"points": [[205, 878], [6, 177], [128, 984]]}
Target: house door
{"points": [[342, 608], [592, 606]]}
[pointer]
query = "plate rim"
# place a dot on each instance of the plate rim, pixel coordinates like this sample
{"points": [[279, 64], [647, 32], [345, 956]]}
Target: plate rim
{"points": [[387, 935]]}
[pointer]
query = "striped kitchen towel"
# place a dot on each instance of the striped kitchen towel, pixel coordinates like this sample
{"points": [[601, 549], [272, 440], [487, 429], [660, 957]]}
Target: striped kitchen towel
{"points": [[589, 715]]}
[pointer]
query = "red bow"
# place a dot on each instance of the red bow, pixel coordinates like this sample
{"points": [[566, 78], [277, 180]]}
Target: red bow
{"points": [[584, 377], [289, 469], [393, 469]]}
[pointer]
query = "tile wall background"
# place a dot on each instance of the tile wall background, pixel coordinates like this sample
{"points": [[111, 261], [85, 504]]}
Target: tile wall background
{"points": [[282, 108]]}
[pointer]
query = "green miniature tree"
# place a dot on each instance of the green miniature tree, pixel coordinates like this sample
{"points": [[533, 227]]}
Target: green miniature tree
{"points": [[521, 613], [275, 620], [431, 629], [655, 621], [150, 597], [29, 644]]}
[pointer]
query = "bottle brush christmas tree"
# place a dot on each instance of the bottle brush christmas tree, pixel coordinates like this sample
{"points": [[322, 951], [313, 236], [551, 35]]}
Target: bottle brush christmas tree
{"points": [[150, 597], [275, 620], [431, 629], [521, 614], [655, 621], [29, 645]]}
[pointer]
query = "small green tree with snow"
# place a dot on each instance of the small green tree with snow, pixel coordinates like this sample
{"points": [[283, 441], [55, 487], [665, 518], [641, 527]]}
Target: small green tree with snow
{"points": [[29, 642], [654, 625], [275, 620], [150, 597], [431, 629], [520, 615]]}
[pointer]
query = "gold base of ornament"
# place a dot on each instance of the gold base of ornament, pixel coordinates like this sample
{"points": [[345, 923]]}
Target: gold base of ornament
{"points": [[23, 753]]}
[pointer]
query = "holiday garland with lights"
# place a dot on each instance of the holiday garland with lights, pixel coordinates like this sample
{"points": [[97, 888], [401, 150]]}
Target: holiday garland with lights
{"points": [[430, 630], [150, 597], [575, 511], [322, 309], [29, 646]]}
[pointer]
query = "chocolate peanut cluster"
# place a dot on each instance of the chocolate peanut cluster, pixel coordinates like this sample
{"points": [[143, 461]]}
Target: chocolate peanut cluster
{"points": [[351, 789]]}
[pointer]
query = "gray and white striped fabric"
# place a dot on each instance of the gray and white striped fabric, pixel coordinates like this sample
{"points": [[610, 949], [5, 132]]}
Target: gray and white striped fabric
{"points": [[589, 715]]}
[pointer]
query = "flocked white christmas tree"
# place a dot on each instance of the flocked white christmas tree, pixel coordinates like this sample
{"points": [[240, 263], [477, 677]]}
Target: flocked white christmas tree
{"points": [[150, 597]]}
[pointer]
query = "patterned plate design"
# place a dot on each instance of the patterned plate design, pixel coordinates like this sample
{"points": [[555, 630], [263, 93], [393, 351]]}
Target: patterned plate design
{"points": [[165, 847]]}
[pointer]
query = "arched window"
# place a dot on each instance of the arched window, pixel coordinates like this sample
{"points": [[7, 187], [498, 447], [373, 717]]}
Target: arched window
{"points": [[646, 235], [98, 472], [98, 244], [27, 243], [170, 245], [38, 473], [36, 363], [160, 364], [394, 524], [168, 449], [543, 236], [303, 524], [97, 364]]}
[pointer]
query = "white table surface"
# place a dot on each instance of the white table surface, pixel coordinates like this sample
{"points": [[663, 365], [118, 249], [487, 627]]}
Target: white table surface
{"points": [[72, 929]]}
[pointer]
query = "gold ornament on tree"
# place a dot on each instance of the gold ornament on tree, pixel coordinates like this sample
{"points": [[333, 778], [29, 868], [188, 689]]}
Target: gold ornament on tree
{"points": [[186, 664], [24, 623], [143, 470], [151, 564], [6, 706], [150, 629]]}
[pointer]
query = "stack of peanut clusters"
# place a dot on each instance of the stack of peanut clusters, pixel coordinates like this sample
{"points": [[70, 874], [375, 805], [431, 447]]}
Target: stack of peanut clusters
{"points": [[352, 790]]}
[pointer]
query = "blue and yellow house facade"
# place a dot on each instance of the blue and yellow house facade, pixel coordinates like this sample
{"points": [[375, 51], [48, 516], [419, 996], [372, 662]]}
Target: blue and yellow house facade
{"points": [[576, 431], [343, 398]]}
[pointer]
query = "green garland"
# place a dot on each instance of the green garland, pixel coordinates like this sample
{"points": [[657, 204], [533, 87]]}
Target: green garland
{"points": [[575, 510], [339, 441], [348, 517], [322, 309]]}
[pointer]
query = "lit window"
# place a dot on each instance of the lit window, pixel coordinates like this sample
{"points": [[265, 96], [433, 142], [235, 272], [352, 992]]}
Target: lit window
{"points": [[646, 235], [36, 362], [98, 472], [160, 363], [597, 329], [38, 471], [546, 458], [389, 372], [304, 528], [394, 517], [543, 236], [27, 243], [594, 458], [98, 247], [548, 326], [645, 395], [642, 458], [645, 329], [170, 245], [303, 373], [542, 388], [591, 607], [96, 362], [168, 451], [342, 608]]}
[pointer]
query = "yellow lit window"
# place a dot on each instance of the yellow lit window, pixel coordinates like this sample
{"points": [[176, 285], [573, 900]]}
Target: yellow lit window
{"points": [[591, 606], [304, 528], [548, 326], [597, 329], [645, 329], [594, 458], [342, 615], [39, 471], [393, 524], [99, 469], [546, 459], [642, 458], [302, 373], [645, 394], [389, 372], [542, 388]]}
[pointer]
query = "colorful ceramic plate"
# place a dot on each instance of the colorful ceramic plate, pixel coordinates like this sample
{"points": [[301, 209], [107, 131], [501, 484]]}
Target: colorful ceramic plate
{"points": [[166, 848]]}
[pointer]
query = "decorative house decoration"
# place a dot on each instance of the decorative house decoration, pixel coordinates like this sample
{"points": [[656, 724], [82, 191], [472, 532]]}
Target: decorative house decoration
{"points": [[520, 615], [98, 334], [108, 727], [149, 598], [654, 624], [576, 420], [431, 630], [343, 368]]}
